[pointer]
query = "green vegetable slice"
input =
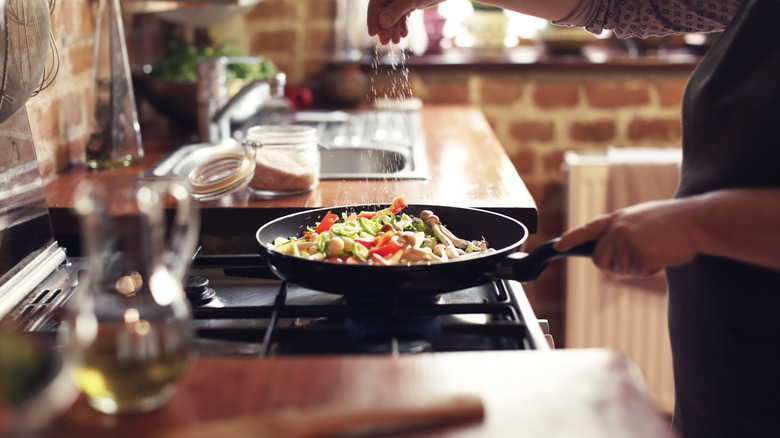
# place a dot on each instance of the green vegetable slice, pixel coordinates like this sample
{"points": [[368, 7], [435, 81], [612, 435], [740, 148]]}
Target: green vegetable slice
{"points": [[323, 240], [368, 226], [345, 228], [359, 251]]}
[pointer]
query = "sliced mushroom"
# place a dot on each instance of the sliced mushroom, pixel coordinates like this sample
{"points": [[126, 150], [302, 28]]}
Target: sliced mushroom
{"points": [[416, 254], [442, 233]]}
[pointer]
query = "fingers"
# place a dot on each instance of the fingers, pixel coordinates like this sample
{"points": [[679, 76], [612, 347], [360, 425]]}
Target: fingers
{"points": [[592, 230], [394, 12], [612, 253], [372, 17], [388, 18]]}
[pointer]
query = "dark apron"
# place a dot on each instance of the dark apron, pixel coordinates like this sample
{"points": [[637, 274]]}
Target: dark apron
{"points": [[724, 316]]}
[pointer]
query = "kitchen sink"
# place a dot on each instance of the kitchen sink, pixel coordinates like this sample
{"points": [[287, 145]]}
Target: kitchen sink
{"points": [[368, 144]]}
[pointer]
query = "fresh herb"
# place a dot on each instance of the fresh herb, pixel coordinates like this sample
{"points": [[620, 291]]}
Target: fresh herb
{"points": [[181, 62]]}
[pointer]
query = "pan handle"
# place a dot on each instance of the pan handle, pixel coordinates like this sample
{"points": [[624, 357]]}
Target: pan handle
{"points": [[527, 267]]}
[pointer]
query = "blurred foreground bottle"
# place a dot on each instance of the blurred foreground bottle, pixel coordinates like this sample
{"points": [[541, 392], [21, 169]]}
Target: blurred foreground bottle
{"points": [[130, 317]]}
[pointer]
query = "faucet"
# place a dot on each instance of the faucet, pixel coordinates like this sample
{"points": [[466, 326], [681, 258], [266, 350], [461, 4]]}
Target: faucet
{"points": [[215, 110]]}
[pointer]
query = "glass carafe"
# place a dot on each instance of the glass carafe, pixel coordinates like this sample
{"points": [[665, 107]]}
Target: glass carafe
{"points": [[130, 316]]}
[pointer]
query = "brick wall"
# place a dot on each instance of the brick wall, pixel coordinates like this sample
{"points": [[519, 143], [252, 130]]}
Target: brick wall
{"points": [[58, 114], [538, 113]]}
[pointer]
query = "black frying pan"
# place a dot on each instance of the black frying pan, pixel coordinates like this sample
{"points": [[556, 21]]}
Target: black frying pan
{"points": [[502, 233]]}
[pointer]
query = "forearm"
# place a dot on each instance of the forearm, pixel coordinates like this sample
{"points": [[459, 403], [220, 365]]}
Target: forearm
{"points": [[740, 224], [387, 18], [548, 9]]}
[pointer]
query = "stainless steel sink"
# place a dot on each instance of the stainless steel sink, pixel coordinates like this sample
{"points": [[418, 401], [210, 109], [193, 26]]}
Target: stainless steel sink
{"points": [[354, 145]]}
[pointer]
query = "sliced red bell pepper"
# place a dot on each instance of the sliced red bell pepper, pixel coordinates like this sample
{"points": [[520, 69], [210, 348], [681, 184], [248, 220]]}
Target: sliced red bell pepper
{"points": [[389, 248], [398, 204], [368, 242], [326, 222], [383, 239], [367, 214]]}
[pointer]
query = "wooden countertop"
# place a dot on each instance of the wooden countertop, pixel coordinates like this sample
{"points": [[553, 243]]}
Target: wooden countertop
{"points": [[468, 167], [563, 393]]}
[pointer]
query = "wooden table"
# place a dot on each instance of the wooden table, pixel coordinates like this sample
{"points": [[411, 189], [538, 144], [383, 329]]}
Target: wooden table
{"points": [[468, 167], [564, 393]]}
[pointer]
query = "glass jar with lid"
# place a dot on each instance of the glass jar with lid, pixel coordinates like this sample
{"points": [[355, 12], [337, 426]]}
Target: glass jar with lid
{"points": [[287, 159]]}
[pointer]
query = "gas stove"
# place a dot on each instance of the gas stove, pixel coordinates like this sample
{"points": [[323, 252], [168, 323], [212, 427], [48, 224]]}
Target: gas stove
{"points": [[239, 307]]}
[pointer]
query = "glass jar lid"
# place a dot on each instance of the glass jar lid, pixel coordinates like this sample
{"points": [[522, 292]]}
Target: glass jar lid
{"points": [[221, 175]]}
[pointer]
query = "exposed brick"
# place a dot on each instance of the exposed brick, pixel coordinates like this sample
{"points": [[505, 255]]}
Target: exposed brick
{"points": [[48, 127], [532, 131], [75, 150], [656, 129], [318, 40], [79, 59], [46, 167], [670, 91], [552, 161], [282, 40], [272, 10], [524, 160], [556, 95], [74, 19], [321, 9], [454, 90], [73, 119], [617, 94], [499, 92], [592, 131]]}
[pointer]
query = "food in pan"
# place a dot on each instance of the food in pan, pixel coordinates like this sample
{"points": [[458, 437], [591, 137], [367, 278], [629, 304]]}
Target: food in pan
{"points": [[384, 237]]}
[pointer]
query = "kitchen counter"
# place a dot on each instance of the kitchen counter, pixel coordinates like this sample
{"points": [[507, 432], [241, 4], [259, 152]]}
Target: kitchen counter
{"points": [[564, 393], [468, 167]]}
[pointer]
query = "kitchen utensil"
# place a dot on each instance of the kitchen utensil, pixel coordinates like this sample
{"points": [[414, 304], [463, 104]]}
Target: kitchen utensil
{"points": [[130, 316], [502, 233], [333, 421], [27, 38]]}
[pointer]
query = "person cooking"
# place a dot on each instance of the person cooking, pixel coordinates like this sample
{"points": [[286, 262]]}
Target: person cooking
{"points": [[719, 238]]}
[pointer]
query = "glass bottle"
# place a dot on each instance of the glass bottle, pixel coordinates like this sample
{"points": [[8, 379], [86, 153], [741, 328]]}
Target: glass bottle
{"points": [[115, 135], [129, 319]]}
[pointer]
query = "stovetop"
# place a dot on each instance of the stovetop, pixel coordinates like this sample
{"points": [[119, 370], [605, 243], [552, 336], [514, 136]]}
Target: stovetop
{"points": [[240, 308], [244, 309]]}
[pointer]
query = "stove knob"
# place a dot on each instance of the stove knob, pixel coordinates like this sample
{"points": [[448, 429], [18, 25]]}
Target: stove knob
{"points": [[198, 290]]}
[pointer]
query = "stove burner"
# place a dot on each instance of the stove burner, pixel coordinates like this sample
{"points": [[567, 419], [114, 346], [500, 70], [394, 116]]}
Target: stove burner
{"points": [[273, 317], [198, 291], [393, 333]]}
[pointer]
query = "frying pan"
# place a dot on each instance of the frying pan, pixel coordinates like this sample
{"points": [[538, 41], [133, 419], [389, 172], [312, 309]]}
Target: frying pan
{"points": [[502, 233]]}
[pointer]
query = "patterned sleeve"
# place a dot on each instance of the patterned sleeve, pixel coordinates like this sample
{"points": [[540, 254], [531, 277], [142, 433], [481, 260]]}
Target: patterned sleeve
{"points": [[645, 18]]}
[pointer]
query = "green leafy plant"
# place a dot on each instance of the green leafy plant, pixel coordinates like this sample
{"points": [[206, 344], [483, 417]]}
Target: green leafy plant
{"points": [[180, 63]]}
